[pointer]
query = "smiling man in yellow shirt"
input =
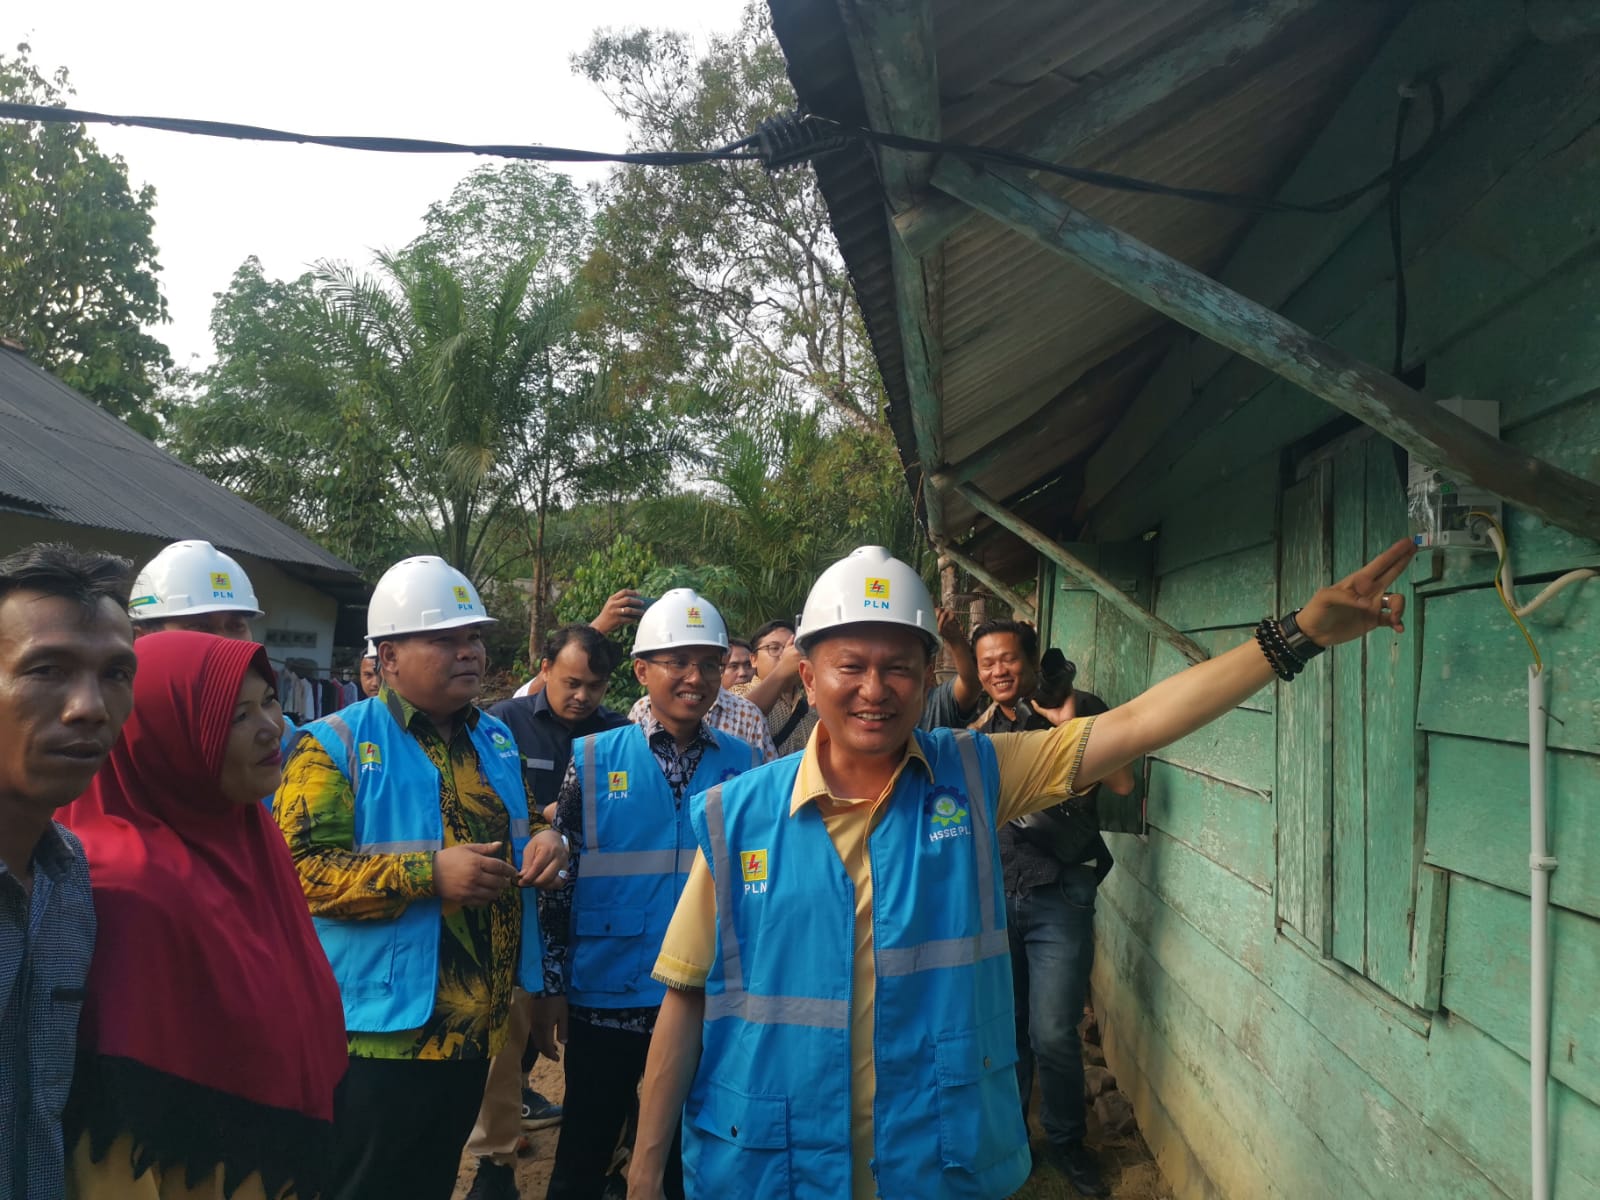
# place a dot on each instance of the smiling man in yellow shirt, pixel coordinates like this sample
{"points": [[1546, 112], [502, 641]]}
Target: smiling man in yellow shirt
{"points": [[840, 1017]]}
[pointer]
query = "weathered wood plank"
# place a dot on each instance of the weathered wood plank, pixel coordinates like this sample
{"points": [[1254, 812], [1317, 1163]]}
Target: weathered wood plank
{"points": [[1269, 1062], [1536, 355], [1236, 748], [1185, 1045], [1427, 944], [1394, 770], [1180, 1168], [1525, 160], [1232, 589], [1224, 1158], [1081, 571], [1163, 883], [1240, 512], [1470, 46], [982, 574], [1166, 661], [1231, 826], [1474, 667], [1258, 333], [1072, 630], [1281, 251], [1491, 990], [1304, 751], [1125, 645], [1478, 1103], [1348, 885], [1478, 817], [915, 285]]}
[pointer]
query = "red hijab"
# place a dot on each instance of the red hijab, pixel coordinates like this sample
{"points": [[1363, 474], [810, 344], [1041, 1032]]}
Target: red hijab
{"points": [[205, 966]]}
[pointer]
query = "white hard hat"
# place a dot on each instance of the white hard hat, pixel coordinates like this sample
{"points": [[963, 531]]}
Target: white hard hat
{"points": [[868, 585], [421, 594], [682, 617], [190, 578], [371, 651]]}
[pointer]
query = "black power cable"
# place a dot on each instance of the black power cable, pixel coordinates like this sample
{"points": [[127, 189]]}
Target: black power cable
{"points": [[780, 142], [827, 134], [1400, 169], [733, 152]]}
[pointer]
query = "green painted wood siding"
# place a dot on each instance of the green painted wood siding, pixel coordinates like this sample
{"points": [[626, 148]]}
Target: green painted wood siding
{"points": [[1312, 972]]}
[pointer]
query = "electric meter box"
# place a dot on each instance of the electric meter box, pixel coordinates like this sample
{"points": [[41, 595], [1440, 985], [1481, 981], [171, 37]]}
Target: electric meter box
{"points": [[1439, 505]]}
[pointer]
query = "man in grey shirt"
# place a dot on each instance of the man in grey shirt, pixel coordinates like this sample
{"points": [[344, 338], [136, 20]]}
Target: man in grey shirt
{"points": [[66, 687], [953, 704]]}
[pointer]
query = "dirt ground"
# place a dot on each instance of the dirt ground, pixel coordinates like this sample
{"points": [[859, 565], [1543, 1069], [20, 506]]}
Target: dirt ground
{"points": [[1128, 1166]]}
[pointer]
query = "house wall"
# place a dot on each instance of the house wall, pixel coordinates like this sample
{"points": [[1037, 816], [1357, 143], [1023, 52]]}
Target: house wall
{"points": [[290, 604], [1312, 973]]}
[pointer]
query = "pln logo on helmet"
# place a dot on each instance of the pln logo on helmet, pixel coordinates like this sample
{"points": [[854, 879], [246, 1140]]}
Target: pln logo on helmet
{"points": [[463, 599], [221, 585], [877, 593]]}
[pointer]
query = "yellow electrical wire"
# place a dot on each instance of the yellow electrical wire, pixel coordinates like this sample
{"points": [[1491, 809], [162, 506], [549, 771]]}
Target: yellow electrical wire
{"points": [[1506, 600]]}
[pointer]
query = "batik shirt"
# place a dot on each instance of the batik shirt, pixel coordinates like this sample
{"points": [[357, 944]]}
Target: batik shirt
{"points": [[478, 947]]}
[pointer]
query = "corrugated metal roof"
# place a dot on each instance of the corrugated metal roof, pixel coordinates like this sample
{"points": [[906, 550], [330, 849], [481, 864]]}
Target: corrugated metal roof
{"points": [[63, 457], [1029, 341]]}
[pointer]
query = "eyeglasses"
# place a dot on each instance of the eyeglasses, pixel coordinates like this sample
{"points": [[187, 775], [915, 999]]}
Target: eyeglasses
{"points": [[775, 649], [680, 665]]}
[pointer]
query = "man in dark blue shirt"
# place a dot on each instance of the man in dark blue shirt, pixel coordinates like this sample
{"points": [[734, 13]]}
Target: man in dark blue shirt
{"points": [[66, 687], [575, 667]]}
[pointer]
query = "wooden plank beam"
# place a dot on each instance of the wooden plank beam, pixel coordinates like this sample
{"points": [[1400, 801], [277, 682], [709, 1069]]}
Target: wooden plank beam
{"points": [[983, 575], [1263, 336], [1084, 574], [1473, 40], [1056, 133], [892, 45]]}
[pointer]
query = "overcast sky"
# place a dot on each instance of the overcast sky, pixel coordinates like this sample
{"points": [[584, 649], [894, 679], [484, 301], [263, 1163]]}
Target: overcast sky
{"points": [[463, 71]]}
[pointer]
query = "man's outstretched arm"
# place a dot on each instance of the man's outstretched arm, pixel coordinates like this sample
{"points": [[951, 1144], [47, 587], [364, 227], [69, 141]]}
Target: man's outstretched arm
{"points": [[668, 1072]]}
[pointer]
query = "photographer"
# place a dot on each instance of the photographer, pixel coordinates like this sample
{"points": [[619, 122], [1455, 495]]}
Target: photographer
{"points": [[1052, 860]]}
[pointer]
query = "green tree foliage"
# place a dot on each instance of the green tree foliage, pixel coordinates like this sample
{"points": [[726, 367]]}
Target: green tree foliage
{"points": [[720, 267], [442, 402], [282, 419], [627, 562], [77, 258], [786, 495]]}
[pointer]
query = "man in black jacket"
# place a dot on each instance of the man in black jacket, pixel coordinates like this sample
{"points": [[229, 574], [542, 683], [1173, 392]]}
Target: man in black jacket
{"points": [[1052, 861], [576, 664]]}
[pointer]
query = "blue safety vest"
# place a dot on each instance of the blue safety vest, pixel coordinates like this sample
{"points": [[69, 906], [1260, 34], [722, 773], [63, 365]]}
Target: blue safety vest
{"points": [[638, 847], [769, 1112], [388, 971]]}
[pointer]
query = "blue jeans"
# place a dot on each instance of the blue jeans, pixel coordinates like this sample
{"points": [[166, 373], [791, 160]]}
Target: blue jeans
{"points": [[1052, 949]]}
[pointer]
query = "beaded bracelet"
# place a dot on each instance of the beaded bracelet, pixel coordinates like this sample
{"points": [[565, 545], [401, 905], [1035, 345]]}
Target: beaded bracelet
{"points": [[1269, 636]]}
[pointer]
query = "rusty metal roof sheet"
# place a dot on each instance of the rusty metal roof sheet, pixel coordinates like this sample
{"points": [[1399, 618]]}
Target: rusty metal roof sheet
{"points": [[64, 458], [1040, 359]]}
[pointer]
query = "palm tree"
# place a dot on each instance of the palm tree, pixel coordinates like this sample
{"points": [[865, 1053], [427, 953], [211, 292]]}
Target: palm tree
{"points": [[461, 381]]}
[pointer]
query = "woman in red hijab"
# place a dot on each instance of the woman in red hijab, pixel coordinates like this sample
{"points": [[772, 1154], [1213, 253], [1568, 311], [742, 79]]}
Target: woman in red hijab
{"points": [[212, 1035]]}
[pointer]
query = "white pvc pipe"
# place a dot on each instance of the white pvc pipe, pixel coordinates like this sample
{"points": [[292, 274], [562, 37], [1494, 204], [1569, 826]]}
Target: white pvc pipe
{"points": [[1540, 864]]}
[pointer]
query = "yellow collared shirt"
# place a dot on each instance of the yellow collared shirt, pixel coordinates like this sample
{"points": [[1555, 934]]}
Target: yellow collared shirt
{"points": [[1036, 770]]}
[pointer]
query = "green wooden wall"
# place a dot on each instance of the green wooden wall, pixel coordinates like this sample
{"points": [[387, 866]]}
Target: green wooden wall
{"points": [[1312, 972]]}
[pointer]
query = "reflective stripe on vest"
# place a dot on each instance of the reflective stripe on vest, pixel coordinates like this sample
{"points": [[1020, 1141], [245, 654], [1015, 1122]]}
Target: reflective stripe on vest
{"points": [[618, 863], [347, 739]]}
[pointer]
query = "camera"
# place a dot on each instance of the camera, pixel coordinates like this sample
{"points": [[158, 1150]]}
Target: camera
{"points": [[1057, 674]]}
